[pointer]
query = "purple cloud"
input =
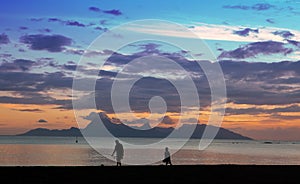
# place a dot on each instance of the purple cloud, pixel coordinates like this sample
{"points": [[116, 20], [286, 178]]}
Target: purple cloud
{"points": [[74, 23], [54, 20], [36, 19], [51, 43], [242, 7], [113, 12], [270, 21], [46, 30], [17, 65], [284, 34], [257, 7], [253, 49], [245, 32], [262, 6], [67, 22], [95, 9], [4, 39], [23, 28], [293, 42]]}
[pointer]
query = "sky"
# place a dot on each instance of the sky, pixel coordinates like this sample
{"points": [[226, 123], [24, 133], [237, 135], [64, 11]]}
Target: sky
{"points": [[256, 43]]}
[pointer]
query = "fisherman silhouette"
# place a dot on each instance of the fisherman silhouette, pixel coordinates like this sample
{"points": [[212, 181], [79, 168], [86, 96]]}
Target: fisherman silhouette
{"points": [[119, 150], [167, 158]]}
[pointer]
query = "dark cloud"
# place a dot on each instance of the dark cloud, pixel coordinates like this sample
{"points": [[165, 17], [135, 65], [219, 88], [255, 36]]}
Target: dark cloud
{"points": [[17, 65], [247, 83], [42, 121], [262, 6], [257, 7], [271, 21], [54, 20], [4, 39], [29, 110], [293, 42], [70, 66], [245, 32], [46, 30], [34, 98], [103, 22], [253, 49], [104, 29], [242, 7], [33, 82], [67, 22], [284, 34], [23, 28], [112, 12], [51, 43], [262, 83], [74, 23], [95, 9], [36, 19]]}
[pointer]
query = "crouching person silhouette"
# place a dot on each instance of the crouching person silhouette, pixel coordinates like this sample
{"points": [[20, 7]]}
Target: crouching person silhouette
{"points": [[119, 150]]}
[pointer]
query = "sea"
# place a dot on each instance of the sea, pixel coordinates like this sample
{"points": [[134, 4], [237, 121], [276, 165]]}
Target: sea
{"points": [[76, 151]]}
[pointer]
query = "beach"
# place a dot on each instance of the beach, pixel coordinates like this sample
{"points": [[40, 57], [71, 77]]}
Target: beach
{"points": [[153, 174]]}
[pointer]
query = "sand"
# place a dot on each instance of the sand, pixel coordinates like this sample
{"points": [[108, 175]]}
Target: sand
{"points": [[153, 174]]}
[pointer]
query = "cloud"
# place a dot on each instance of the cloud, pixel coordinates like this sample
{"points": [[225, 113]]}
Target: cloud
{"points": [[258, 110], [253, 49], [95, 9], [42, 121], [17, 65], [23, 28], [256, 7], [242, 7], [217, 32], [262, 83], [4, 39], [29, 110], [271, 21], [74, 23], [112, 12], [67, 22], [262, 6], [284, 34], [36, 19], [51, 43], [46, 30], [245, 32], [293, 42]]}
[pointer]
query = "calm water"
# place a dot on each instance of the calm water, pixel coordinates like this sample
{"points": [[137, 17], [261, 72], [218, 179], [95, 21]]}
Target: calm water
{"points": [[63, 151]]}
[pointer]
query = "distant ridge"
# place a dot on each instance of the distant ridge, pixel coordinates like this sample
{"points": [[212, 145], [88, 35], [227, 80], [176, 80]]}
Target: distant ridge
{"points": [[121, 130], [73, 131]]}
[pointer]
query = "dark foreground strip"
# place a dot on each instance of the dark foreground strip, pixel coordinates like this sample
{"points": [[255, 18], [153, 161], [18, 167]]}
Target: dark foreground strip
{"points": [[152, 174]]}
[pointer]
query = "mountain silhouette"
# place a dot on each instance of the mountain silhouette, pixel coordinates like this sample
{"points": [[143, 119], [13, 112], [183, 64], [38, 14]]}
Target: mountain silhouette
{"points": [[96, 128]]}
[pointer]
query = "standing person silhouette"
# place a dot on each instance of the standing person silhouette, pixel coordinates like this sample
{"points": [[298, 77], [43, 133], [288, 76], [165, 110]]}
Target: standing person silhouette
{"points": [[119, 150], [167, 158]]}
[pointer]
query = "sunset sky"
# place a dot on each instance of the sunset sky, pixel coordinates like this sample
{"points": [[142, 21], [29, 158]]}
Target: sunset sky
{"points": [[256, 43]]}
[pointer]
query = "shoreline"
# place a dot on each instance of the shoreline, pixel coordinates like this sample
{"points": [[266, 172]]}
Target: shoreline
{"points": [[152, 173]]}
